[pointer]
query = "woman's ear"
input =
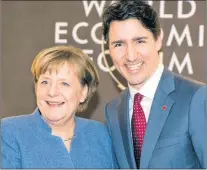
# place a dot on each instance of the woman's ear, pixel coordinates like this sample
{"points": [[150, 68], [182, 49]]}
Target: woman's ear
{"points": [[35, 88], [84, 94]]}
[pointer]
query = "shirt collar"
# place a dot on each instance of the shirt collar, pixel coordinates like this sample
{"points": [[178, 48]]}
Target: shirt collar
{"points": [[149, 88]]}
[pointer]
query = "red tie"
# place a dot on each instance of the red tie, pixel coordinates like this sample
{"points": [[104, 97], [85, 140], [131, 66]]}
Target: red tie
{"points": [[138, 125]]}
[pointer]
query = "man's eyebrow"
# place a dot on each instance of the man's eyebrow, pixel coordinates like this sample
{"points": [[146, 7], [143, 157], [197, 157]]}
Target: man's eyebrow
{"points": [[117, 41], [134, 39], [140, 38]]}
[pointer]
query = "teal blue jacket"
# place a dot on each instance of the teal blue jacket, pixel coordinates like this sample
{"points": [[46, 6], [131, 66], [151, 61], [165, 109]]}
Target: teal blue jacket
{"points": [[26, 142]]}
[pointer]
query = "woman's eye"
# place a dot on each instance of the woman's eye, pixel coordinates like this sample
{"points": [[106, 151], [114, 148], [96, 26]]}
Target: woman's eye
{"points": [[44, 82], [65, 84]]}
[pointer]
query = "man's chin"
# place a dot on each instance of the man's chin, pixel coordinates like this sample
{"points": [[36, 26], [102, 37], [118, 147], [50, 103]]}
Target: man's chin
{"points": [[136, 84]]}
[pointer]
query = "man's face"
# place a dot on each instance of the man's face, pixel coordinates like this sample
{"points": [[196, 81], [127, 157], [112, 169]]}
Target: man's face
{"points": [[134, 50]]}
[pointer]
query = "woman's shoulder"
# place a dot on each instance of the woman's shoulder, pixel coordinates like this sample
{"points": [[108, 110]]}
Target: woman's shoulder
{"points": [[95, 132], [91, 126], [90, 122], [16, 121]]}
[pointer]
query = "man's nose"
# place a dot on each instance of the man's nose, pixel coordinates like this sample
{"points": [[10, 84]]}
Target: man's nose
{"points": [[131, 53]]}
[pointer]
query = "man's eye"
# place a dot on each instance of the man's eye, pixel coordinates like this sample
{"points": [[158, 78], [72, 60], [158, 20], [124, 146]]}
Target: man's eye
{"points": [[65, 84], [140, 41], [44, 82], [117, 45]]}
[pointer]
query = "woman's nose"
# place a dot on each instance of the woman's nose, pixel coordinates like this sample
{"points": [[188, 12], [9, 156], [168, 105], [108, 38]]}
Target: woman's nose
{"points": [[53, 90]]}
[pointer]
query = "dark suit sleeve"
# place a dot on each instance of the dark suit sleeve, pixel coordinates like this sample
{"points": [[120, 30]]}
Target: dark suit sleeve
{"points": [[115, 163], [197, 124]]}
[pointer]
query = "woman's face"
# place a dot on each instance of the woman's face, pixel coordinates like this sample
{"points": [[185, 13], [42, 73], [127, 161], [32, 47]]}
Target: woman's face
{"points": [[58, 95]]}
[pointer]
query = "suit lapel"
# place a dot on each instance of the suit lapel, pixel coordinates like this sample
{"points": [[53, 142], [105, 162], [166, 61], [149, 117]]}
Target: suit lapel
{"points": [[158, 116], [125, 128]]}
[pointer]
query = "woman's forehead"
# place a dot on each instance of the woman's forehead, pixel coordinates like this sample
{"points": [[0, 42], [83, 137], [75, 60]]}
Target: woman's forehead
{"points": [[57, 66], [63, 69]]}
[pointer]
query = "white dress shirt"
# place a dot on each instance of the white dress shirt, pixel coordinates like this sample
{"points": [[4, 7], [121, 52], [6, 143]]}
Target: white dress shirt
{"points": [[148, 91]]}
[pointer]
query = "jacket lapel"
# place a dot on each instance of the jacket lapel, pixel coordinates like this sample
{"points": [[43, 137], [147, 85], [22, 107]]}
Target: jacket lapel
{"points": [[123, 116], [160, 109]]}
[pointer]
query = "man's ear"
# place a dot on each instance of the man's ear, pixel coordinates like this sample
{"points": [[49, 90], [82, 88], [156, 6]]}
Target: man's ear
{"points": [[159, 40]]}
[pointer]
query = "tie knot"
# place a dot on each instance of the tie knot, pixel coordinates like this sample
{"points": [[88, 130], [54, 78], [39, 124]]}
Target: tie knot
{"points": [[138, 97]]}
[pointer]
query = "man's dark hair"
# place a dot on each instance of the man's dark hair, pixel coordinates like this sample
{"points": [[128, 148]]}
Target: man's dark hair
{"points": [[125, 9]]}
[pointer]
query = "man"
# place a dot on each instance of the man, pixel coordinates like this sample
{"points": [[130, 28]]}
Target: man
{"points": [[159, 121]]}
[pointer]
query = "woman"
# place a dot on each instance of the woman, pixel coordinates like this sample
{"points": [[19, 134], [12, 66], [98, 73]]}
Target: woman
{"points": [[52, 136]]}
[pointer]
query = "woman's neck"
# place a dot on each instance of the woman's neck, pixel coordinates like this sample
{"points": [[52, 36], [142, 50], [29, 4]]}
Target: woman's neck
{"points": [[64, 131]]}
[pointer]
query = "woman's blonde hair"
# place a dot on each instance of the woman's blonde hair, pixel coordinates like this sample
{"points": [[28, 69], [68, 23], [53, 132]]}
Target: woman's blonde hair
{"points": [[54, 57]]}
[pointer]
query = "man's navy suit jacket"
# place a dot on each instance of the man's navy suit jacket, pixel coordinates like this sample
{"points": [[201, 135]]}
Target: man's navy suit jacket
{"points": [[175, 137]]}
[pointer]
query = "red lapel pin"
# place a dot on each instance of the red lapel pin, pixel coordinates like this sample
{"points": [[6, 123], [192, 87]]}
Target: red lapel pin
{"points": [[164, 107]]}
